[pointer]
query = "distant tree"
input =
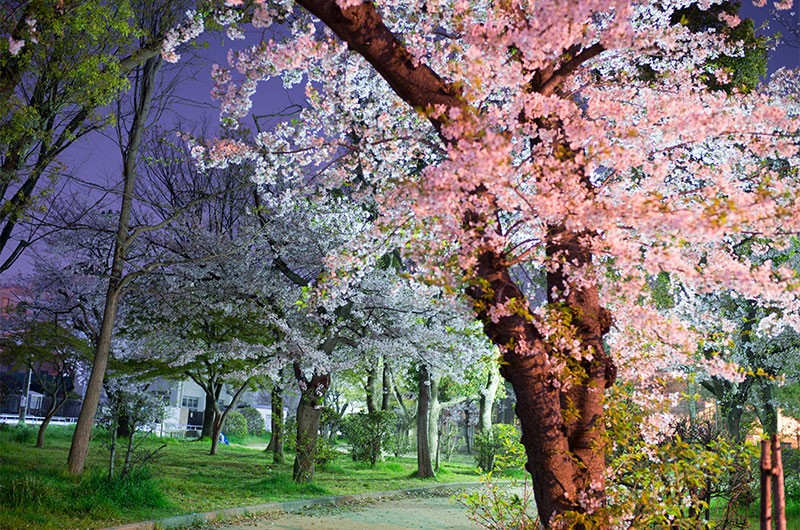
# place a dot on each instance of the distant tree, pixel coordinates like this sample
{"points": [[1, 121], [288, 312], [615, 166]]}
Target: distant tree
{"points": [[51, 352], [129, 401]]}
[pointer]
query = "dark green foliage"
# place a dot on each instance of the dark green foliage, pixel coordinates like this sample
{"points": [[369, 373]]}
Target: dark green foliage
{"points": [[745, 71], [499, 447], [235, 424], [369, 433], [255, 421], [325, 452], [290, 433], [22, 434]]}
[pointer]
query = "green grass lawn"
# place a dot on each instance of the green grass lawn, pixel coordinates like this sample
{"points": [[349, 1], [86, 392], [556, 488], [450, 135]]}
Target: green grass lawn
{"points": [[36, 492]]}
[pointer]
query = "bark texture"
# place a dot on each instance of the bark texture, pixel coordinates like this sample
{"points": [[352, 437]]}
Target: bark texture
{"points": [[309, 412], [424, 462]]}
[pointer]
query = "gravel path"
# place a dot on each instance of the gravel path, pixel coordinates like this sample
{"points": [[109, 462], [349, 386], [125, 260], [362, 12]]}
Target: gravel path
{"points": [[423, 511]]}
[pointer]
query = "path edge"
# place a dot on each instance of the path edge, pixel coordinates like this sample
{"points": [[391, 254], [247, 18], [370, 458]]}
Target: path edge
{"points": [[178, 521]]}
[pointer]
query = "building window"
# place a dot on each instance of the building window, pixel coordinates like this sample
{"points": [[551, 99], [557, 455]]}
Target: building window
{"points": [[190, 402]]}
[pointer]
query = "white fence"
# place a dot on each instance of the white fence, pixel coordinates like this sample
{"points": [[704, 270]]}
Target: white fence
{"points": [[13, 419]]}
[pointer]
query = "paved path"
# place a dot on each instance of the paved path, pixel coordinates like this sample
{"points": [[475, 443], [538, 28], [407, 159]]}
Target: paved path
{"points": [[434, 512]]}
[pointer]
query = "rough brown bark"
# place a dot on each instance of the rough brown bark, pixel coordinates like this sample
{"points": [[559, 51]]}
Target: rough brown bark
{"points": [[308, 418], [424, 463], [309, 412]]}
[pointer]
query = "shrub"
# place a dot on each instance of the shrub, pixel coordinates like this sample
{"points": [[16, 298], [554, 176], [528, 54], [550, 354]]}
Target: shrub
{"points": [[235, 424], [402, 442], [499, 447], [22, 434], [369, 433], [325, 452], [290, 433], [255, 421]]}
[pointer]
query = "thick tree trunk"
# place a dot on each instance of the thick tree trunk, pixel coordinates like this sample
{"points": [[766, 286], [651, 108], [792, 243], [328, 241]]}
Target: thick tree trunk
{"points": [[208, 413], [83, 430], [486, 401], [309, 412], [424, 464], [566, 456], [308, 418]]}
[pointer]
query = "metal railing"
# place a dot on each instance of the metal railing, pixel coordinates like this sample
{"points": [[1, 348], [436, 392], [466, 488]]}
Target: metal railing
{"points": [[36, 420]]}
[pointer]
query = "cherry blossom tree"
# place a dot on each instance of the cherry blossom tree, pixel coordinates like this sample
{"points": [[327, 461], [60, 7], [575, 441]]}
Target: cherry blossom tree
{"points": [[496, 133]]}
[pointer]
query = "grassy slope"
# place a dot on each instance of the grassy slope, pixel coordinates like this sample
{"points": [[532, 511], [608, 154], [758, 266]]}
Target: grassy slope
{"points": [[35, 491]]}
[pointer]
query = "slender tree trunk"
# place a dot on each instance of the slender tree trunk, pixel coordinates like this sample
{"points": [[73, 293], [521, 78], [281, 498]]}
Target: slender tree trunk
{"points": [[386, 395], [372, 387], [434, 411], [126, 466], [424, 464], [276, 440], [209, 413], [124, 426], [219, 416], [113, 453], [769, 415], [486, 401], [83, 430], [467, 438], [218, 419], [46, 421], [23, 401]]}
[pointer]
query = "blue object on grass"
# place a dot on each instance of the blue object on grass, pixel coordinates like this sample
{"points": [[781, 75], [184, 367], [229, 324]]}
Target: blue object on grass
{"points": [[223, 438]]}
